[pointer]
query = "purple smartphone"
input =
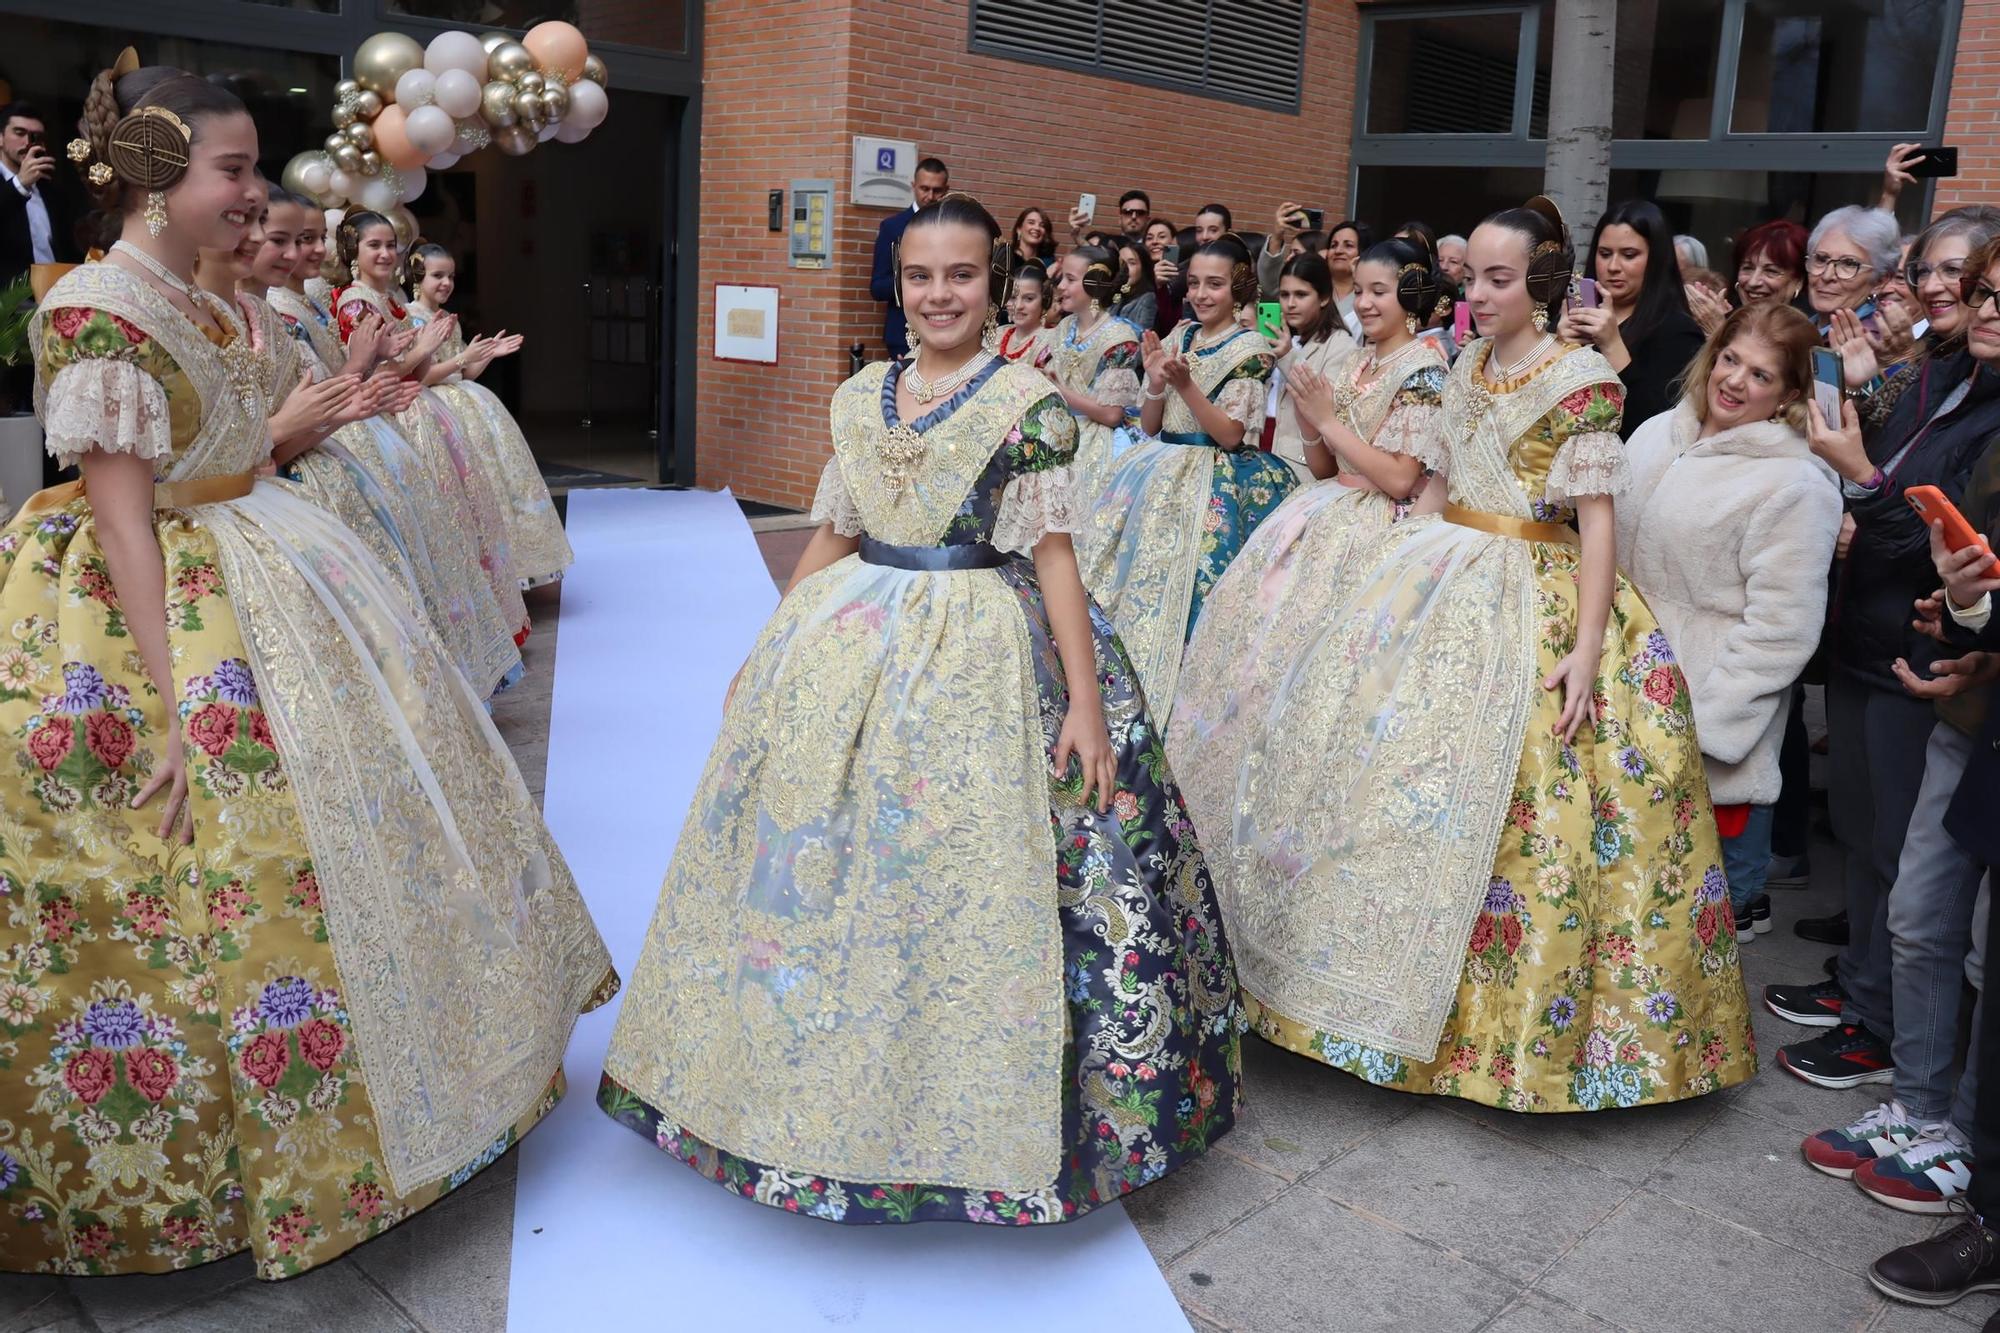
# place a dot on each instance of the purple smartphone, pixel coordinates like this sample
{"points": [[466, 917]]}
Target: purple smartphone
{"points": [[1586, 293]]}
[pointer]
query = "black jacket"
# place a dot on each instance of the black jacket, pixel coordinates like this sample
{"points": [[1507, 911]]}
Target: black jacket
{"points": [[17, 246], [1652, 378], [1888, 566]]}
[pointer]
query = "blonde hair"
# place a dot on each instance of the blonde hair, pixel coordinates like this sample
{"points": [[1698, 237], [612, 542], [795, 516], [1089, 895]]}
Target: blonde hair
{"points": [[1788, 332]]}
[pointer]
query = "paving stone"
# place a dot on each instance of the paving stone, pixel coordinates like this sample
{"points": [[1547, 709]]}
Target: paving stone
{"points": [[1750, 1171], [1536, 1313], [333, 1299], [34, 1301], [1304, 1264], [1185, 1208], [119, 1303], [1626, 1145], [448, 1266], [1298, 1113], [1972, 1312], [1531, 1207], [1658, 1266]]}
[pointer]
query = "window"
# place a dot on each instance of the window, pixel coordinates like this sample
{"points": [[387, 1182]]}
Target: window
{"points": [[1838, 68], [1436, 75], [656, 25], [1248, 51], [1664, 87]]}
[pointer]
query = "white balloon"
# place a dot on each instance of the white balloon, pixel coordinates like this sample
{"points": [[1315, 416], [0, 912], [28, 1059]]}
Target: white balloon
{"points": [[588, 104], [443, 161], [458, 92], [568, 131], [377, 195], [430, 130], [456, 50], [316, 176], [340, 183], [548, 131], [417, 87], [414, 180]]}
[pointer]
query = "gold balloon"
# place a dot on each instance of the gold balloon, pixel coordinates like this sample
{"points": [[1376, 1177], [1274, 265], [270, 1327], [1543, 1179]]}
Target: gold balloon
{"points": [[345, 89], [337, 141], [369, 105], [489, 40], [345, 156], [528, 106], [405, 223], [371, 164], [509, 61], [531, 82], [496, 105], [361, 136], [293, 175], [595, 71], [555, 100], [384, 58], [343, 116], [515, 140]]}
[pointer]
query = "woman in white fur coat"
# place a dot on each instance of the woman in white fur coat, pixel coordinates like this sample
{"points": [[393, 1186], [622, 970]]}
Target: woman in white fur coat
{"points": [[1728, 531]]}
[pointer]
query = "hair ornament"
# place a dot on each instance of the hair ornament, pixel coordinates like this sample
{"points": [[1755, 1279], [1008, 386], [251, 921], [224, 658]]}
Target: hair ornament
{"points": [[149, 148]]}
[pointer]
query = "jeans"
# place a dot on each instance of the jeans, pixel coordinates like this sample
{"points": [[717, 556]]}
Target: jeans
{"points": [[1930, 935], [1984, 1192], [1876, 745], [1746, 858], [1791, 817]]}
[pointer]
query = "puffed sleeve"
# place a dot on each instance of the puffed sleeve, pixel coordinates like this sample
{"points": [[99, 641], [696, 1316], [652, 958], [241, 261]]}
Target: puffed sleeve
{"points": [[349, 314], [832, 504], [1415, 424], [101, 392], [1244, 396], [1117, 380], [1590, 460], [1041, 493]]}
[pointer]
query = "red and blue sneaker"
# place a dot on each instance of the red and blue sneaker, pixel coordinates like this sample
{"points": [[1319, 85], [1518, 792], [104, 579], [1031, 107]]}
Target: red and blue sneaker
{"points": [[1846, 1057], [1883, 1132], [1924, 1177]]}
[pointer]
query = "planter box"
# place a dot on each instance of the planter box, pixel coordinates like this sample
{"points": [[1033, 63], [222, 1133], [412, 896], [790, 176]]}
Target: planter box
{"points": [[20, 461]]}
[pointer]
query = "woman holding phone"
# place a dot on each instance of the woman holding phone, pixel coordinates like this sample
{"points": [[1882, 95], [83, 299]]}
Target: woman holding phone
{"points": [[1641, 322], [1510, 887]]}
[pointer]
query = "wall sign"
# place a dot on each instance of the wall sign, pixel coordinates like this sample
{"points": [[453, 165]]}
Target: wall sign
{"points": [[882, 171], [746, 324]]}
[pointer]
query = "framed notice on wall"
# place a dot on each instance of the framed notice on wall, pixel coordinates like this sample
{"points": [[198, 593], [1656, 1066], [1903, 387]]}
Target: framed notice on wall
{"points": [[746, 324]]}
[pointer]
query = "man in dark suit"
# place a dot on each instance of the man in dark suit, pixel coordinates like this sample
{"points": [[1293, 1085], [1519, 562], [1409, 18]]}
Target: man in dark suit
{"points": [[37, 217], [929, 185]]}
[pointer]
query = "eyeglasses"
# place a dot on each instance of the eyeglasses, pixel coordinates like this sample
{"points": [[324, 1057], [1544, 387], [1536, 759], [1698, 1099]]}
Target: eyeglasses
{"points": [[1948, 272], [1847, 268], [1980, 295], [1135, 212]]}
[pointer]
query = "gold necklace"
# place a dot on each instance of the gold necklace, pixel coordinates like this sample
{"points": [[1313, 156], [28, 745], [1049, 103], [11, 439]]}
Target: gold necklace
{"points": [[238, 357], [924, 390]]}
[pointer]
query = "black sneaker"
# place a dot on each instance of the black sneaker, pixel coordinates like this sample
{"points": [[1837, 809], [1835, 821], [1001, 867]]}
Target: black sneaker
{"points": [[1760, 914], [1832, 965], [1746, 929], [1822, 929], [1787, 872], [1946, 1268], [1846, 1057], [1816, 1004]]}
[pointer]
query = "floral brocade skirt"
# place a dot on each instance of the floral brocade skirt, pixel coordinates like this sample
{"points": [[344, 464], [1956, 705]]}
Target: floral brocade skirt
{"points": [[535, 537], [183, 1078], [1602, 968], [1151, 1059]]}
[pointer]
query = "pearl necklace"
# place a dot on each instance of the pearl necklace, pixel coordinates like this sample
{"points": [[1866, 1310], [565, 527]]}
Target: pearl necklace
{"points": [[239, 357], [924, 390], [1198, 344], [1509, 371]]}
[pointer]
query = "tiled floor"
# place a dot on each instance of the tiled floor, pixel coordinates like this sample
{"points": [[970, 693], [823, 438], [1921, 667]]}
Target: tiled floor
{"points": [[1333, 1206]]}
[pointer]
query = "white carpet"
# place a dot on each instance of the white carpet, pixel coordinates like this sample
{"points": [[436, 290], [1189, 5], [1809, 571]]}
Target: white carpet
{"points": [[667, 594]]}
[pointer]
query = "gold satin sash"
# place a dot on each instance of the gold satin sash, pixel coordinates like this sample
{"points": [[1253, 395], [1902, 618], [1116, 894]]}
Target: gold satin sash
{"points": [[1506, 525], [166, 494]]}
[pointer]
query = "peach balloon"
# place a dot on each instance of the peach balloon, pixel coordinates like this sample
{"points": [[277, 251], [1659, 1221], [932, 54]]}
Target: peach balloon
{"points": [[392, 139], [558, 48]]}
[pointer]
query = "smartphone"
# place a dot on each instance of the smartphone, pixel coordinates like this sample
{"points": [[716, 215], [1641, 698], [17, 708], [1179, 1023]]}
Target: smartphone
{"points": [[1270, 319], [1309, 219], [1086, 204], [38, 139], [1461, 322], [1586, 293], [1934, 506], [1173, 253], [1936, 162], [1869, 316], [1828, 383]]}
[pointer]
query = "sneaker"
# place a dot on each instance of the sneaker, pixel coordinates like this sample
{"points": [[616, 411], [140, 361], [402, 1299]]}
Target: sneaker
{"points": [[1746, 926], [1787, 872], [1832, 965], [1822, 929], [1846, 1057], [1946, 1268], [1815, 1004], [1760, 914], [1883, 1132], [1924, 1177]]}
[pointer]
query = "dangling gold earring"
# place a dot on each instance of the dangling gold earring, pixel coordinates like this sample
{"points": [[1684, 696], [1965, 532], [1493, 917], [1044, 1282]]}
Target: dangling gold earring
{"points": [[910, 337], [354, 270], [989, 333], [1540, 319], [156, 213], [1096, 307], [1410, 323]]}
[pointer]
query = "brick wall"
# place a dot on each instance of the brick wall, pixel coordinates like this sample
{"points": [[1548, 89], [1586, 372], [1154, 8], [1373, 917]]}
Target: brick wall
{"points": [[787, 83], [1973, 120]]}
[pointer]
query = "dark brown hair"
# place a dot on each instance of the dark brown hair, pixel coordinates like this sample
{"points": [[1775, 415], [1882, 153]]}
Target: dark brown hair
{"points": [[113, 97]]}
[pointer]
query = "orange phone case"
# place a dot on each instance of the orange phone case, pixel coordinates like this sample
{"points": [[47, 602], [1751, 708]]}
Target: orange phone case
{"points": [[1933, 506]]}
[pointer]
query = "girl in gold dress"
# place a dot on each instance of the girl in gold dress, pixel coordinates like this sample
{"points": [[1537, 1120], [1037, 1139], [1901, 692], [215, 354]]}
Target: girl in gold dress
{"points": [[1510, 885], [288, 953]]}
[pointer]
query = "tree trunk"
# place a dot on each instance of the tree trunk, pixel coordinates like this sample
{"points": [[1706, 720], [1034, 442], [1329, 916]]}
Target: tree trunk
{"points": [[1577, 168]]}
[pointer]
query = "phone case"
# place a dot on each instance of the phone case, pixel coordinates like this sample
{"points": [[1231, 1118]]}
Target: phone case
{"points": [[1934, 506]]}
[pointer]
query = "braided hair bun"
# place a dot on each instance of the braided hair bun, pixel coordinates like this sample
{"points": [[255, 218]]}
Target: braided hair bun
{"points": [[139, 126], [1416, 276]]}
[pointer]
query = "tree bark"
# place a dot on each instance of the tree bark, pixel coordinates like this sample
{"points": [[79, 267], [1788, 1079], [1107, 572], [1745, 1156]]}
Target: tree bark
{"points": [[1577, 166]]}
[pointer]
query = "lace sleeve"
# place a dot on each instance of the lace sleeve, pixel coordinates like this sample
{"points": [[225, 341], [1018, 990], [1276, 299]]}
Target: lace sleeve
{"points": [[1036, 504], [1415, 424], [106, 404], [832, 504], [1591, 458], [1243, 399]]}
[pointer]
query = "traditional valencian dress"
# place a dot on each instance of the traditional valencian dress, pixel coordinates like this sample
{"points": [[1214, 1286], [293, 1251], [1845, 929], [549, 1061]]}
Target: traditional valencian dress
{"points": [[1298, 569], [898, 973], [1176, 510], [435, 527], [1102, 364], [448, 446], [354, 990], [1442, 895], [535, 534]]}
